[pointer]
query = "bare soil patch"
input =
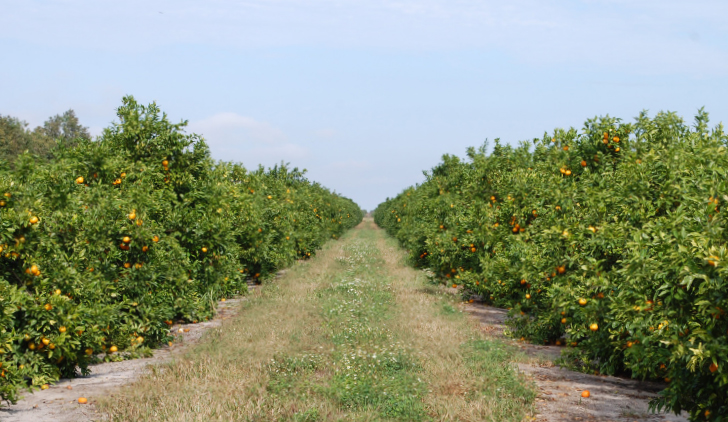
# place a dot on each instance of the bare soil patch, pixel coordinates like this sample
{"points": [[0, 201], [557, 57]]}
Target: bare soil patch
{"points": [[559, 398]]}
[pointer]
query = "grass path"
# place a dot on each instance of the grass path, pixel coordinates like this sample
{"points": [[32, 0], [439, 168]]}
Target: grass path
{"points": [[353, 334]]}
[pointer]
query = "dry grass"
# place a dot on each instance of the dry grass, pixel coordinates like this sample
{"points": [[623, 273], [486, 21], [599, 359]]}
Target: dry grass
{"points": [[226, 376], [286, 356], [462, 382]]}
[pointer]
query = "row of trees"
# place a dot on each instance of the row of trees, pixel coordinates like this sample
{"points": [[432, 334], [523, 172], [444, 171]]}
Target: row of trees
{"points": [[611, 240], [106, 244], [16, 138]]}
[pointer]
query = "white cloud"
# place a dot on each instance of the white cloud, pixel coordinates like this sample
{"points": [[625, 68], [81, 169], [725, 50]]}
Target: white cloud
{"points": [[232, 129], [233, 137]]}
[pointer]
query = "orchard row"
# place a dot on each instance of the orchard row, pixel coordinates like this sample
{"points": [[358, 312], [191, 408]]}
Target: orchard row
{"points": [[107, 244], [610, 240]]}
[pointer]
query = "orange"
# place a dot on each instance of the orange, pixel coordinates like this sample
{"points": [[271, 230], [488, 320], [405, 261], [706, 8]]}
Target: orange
{"points": [[165, 163], [528, 296], [155, 239], [616, 139], [113, 349], [583, 163], [713, 367], [79, 180], [582, 301], [204, 249], [594, 327], [126, 239], [585, 394], [33, 220], [145, 248], [563, 320], [62, 329], [82, 400]]}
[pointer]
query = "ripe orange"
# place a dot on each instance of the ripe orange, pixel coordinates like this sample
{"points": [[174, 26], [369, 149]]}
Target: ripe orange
{"points": [[594, 327], [563, 320], [145, 248], [165, 163], [62, 329], [204, 249], [89, 352], [561, 269], [132, 216], [44, 387], [566, 147], [126, 239], [155, 239], [113, 349], [48, 307], [616, 139], [79, 180], [583, 163], [33, 220], [582, 301], [528, 296], [82, 400], [127, 265], [585, 394], [713, 367]]}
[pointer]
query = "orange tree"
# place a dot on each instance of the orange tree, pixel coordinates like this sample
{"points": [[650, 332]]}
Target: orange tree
{"points": [[610, 240], [103, 247]]}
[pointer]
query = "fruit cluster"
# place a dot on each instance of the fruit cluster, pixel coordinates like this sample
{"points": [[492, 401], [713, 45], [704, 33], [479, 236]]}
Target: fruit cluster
{"points": [[611, 241]]}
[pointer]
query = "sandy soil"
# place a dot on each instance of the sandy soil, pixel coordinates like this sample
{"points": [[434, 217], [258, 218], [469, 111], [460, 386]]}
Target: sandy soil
{"points": [[559, 397], [60, 402]]}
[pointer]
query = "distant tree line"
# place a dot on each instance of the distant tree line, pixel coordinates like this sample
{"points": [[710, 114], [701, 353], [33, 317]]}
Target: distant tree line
{"points": [[16, 138]]}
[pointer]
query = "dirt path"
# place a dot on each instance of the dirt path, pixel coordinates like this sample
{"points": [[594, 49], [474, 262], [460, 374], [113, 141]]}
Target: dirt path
{"points": [[559, 398], [60, 402]]}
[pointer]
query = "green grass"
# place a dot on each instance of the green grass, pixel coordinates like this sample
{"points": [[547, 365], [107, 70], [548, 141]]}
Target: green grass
{"points": [[354, 335]]}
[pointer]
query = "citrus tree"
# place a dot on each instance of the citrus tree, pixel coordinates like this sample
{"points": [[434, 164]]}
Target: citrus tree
{"points": [[610, 240], [107, 244]]}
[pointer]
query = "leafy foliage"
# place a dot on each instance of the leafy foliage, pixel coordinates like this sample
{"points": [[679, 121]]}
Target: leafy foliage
{"points": [[106, 245], [612, 240]]}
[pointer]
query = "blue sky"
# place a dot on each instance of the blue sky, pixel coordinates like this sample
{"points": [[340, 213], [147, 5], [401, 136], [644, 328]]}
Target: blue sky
{"points": [[365, 94]]}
